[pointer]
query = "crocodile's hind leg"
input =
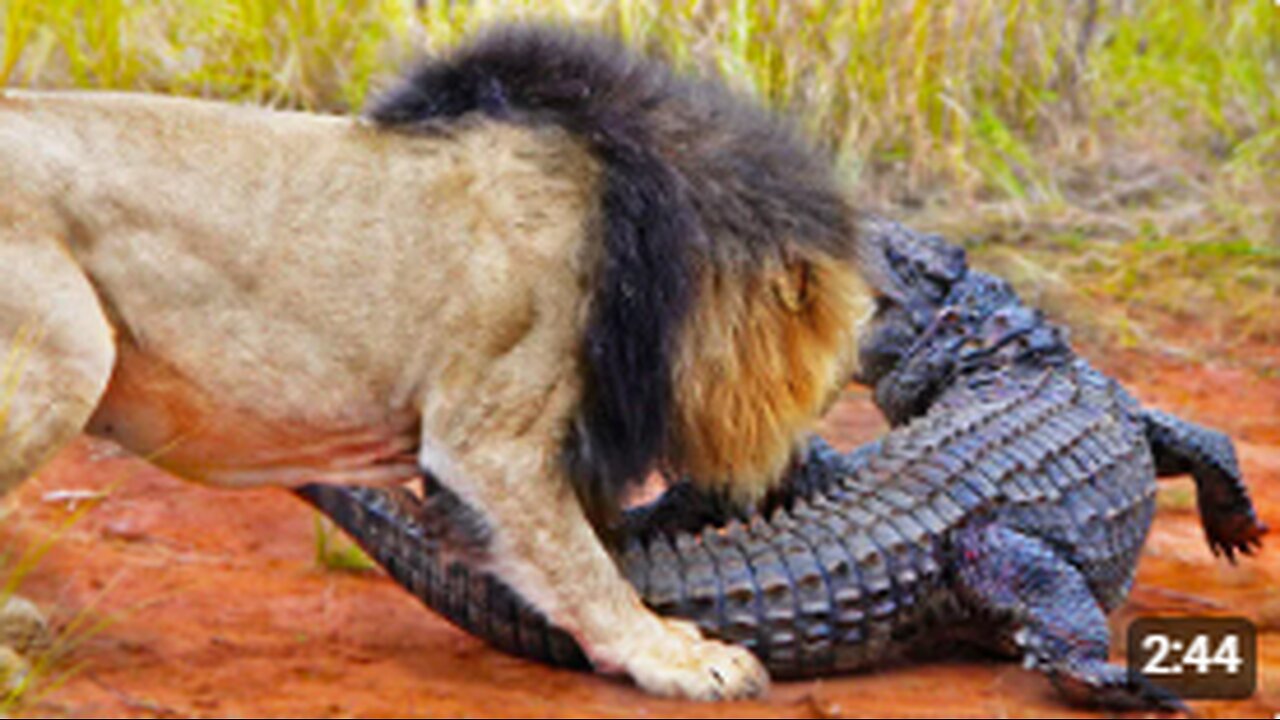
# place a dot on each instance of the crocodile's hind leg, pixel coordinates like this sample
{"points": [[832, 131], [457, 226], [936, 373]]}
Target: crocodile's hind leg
{"points": [[1226, 513], [1042, 604]]}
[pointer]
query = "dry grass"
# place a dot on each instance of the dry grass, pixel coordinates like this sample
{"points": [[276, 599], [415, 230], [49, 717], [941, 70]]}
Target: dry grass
{"points": [[1130, 146]]}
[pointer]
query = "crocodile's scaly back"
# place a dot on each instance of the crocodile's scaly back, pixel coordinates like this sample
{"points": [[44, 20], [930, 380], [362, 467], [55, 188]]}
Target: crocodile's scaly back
{"points": [[1008, 505], [851, 575]]}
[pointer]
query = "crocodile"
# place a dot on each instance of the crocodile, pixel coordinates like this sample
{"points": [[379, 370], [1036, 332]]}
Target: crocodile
{"points": [[1005, 508]]}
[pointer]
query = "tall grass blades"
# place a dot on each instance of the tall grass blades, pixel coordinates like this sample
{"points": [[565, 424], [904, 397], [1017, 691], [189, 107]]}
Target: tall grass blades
{"points": [[1035, 111]]}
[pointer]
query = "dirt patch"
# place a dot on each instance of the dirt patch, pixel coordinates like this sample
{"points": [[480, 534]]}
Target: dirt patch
{"points": [[213, 605]]}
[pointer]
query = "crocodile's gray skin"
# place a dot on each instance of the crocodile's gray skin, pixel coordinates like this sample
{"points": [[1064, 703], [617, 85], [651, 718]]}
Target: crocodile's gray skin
{"points": [[1007, 507]]}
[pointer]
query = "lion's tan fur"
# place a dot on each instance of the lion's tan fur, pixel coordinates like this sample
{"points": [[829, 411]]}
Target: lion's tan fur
{"points": [[270, 295], [252, 297]]}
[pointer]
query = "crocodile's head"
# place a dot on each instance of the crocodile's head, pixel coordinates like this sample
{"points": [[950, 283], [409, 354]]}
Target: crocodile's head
{"points": [[911, 275], [937, 322]]}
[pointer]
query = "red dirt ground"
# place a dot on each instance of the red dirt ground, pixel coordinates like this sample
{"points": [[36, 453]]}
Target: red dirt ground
{"points": [[214, 606]]}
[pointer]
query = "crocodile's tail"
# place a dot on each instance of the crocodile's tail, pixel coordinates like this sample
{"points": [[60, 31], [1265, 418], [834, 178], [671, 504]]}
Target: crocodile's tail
{"points": [[386, 524]]}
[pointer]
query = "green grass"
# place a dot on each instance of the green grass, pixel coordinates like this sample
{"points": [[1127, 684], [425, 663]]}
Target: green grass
{"points": [[334, 552], [1147, 130]]}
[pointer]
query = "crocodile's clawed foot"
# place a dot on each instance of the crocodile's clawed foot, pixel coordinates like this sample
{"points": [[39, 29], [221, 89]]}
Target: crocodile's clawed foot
{"points": [[1084, 677], [1229, 533], [1111, 686]]}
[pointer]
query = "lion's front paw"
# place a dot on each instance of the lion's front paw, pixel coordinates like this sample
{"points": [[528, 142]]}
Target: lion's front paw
{"points": [[679, 662]]}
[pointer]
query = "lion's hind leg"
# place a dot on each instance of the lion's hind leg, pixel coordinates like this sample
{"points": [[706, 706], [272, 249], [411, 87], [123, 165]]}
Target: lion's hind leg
{"points": [[56, 353]]}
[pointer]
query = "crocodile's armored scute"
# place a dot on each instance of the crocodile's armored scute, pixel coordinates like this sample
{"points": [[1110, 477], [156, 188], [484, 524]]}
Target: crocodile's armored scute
{"points": [[1008, 507], [859, 571]]}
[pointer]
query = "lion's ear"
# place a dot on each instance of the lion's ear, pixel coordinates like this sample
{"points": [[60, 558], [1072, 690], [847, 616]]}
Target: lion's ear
{"points": [[791, 285]]}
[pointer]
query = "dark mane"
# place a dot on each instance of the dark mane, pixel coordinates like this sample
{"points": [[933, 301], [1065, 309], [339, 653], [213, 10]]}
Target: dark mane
{"points": [[695, 180]]}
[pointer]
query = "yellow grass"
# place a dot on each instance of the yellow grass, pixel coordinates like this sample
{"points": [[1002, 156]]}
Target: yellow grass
{"points": [[1126, 137]]}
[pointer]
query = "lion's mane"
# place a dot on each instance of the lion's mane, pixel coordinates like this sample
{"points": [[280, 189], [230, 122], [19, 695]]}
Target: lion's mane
{"points": [[704, 194]]}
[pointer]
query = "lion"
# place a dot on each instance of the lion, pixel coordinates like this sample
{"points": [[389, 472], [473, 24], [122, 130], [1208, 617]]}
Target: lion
{"points": [[538, 268]]}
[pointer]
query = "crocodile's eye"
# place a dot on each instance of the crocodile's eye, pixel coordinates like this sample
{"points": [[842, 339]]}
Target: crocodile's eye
{"points": [[884, 304], [933, 288]]}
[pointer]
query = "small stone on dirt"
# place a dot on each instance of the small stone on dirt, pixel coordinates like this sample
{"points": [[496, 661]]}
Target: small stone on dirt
{"points": [[22, 626]]}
